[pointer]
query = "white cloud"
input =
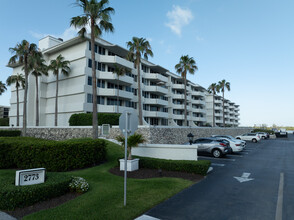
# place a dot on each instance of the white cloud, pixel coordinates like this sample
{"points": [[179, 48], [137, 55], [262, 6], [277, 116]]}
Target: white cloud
{"points": [[178, 18], [69, 33], [198, 38]]}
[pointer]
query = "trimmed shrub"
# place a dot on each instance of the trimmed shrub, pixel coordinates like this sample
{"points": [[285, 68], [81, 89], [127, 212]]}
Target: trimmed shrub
{"points": [[11, 196], [10, 133], [188, 166], [26, 153], [264, 130], [4, 121], [85, 119]]}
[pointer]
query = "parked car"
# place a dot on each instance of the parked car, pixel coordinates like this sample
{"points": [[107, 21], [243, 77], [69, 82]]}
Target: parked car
{"points": [[243, 143], [263, 135], [217, 148], [235, 144], [254, 137]]}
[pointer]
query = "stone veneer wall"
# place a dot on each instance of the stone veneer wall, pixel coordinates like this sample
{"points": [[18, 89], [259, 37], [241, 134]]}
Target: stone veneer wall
{"points": [[153, 135]]}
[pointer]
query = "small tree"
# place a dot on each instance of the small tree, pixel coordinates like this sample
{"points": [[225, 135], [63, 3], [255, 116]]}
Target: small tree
{"points": [[2, 87], [19, 81], [133, 141]]}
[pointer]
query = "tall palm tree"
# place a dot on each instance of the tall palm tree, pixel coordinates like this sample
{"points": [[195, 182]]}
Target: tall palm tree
{"points": [[119, 71], [2, 87], [96, 14], [139, 47], [186, 65], [213, 89], [21, 55], [19, 81], [62, 65], [221, 87], [38, 67]]}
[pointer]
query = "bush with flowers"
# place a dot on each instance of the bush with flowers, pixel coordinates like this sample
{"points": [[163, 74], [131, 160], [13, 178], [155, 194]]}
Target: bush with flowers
{"points": [[79, 184]]}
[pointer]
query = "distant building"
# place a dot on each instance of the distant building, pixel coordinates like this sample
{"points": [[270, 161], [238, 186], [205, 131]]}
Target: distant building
{"points": [[4, 111], [162, 91]]}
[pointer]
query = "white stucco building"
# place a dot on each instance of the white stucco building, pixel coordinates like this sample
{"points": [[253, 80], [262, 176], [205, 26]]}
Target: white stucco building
{"points": [[162, 91]]}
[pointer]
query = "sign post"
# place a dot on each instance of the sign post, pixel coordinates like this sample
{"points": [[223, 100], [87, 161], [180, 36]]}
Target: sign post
{"points": [[128, 124]]}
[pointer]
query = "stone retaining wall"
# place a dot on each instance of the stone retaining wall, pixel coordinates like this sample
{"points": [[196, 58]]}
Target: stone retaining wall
{"points": [[153, 135]]}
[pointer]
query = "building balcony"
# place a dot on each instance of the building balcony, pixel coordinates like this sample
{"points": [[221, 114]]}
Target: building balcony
{"points": [[156, 77], [178, 96], [155, 89], [199, 110], [109, 76], [117, 60], [155, 114], [179, 86], [181, 106], [198, 101], [198, 93], [113, 93], [150, 101], [181, 117], [199, 119], [218, 101]]}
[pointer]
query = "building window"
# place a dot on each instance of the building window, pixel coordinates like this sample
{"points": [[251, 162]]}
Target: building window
{"points": [[101, 51], [100, 83], [101, 67], [89, 63], [89, 80], [100, 100], [89, 98]]}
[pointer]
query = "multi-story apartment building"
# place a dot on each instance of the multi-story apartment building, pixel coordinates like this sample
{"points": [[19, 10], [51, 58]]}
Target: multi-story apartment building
{"points": [[4, 111], [162, 91], [231, 111]]}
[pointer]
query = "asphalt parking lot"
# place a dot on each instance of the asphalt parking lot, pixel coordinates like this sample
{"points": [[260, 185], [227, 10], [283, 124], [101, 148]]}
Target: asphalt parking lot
{"points": [[255, 184]]}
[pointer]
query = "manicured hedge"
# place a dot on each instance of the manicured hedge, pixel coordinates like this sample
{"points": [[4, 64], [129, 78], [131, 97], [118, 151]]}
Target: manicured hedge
{"points": [[188, 166], [11, 196], [26, 153], [264, 130], [85, 119], [4, 121], [10, 133]]}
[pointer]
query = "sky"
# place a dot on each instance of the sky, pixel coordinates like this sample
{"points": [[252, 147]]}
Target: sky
{"points": [[249, 43]]}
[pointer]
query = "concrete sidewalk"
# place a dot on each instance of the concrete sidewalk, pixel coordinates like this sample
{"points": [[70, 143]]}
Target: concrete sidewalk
{"points": [[4, 216]]}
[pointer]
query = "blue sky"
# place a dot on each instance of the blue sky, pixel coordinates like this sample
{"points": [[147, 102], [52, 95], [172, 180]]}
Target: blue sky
{"points": [[247, 42]]}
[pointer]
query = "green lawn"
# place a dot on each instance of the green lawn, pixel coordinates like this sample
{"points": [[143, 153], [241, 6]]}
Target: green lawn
{"points": [[104, 200]]}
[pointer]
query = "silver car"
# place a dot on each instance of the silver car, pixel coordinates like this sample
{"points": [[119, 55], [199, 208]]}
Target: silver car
{"points": [[217, 148]]}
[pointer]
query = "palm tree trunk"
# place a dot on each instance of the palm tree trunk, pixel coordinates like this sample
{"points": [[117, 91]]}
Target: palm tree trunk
{"points": [[37, 102], [24, 117], [17, 107], [56, 99], [117, 98], [139, 93], [224, 108], [185, 101], [213, 113], [94, 84]]}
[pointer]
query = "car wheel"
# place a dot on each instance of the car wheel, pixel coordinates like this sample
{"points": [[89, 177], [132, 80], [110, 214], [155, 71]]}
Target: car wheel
{"points": [[238, 138], [254, 140], [216, 153], [263, 137]]}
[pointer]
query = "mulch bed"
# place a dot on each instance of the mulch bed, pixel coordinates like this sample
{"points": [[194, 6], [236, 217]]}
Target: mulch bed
{"points": [[144, 173], [21, 212]]}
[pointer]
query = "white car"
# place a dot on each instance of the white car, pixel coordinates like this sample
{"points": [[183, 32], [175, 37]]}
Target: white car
{"points": [[254, 137], [235, 144]]}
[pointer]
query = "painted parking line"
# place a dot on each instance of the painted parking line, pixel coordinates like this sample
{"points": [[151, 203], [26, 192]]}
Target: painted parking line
{"points": [[279, 209], [146, 217], [212, 158], [218, 164], [234, 155]]}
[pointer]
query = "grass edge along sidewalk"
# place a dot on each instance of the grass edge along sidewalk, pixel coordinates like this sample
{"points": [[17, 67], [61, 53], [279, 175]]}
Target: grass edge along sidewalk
{"points": [[104, 200]]}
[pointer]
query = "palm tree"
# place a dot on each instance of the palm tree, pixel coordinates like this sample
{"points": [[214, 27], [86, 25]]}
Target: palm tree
{"points": [[19, 81], [133, 141], [119, 71], [22, 53], [97, 16], [55, 65], [186, 65], [2, 87], [139, 47], [38, 68], [212, 89], [222, 85]]}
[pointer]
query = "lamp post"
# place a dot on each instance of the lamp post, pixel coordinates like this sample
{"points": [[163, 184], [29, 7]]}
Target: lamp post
{"points": [[190, 137]]}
